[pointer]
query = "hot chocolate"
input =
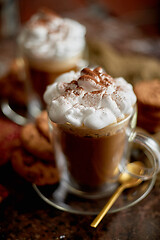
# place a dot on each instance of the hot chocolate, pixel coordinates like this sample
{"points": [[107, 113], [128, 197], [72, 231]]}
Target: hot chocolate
{"points": [[92, 158], [92, 113], [51, 45]]}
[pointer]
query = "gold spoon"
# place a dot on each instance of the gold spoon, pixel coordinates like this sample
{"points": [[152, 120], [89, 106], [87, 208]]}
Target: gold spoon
{"points": [[127, 181]]}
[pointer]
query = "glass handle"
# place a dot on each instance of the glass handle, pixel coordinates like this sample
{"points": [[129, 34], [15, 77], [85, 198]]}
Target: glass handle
{"points": [[12, 115], [152, 147]]}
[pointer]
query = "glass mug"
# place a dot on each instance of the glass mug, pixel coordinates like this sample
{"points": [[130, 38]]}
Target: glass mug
{"points": [[45, 51], [90, 161], [35, 81]]}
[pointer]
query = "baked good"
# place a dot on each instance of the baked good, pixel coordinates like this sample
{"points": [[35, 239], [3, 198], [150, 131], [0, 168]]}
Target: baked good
{"points": [[33, 169], [42, 124], [9, 135], [32, 157], [148, 101], [35, 143]]}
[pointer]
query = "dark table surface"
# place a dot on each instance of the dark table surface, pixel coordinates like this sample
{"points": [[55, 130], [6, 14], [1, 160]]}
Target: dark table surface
{"points": [[24, 216]]}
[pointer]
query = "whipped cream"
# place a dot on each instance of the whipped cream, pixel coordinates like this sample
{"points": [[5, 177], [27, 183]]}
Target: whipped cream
{"points": [[47, 36], [90, 98]]}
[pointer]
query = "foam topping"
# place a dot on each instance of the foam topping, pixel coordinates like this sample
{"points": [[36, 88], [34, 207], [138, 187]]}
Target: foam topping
{"points": [[90, 97], [47, 36]]}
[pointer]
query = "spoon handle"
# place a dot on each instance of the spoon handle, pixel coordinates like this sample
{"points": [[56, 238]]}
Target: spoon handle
{"points": [[108, 205]]}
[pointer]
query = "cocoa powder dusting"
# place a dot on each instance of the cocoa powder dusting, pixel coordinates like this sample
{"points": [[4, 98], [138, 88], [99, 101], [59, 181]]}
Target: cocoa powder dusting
{"points": [[98, 75], [102, 81]]}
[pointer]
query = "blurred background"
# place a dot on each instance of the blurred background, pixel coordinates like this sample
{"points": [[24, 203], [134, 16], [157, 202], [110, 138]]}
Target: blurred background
{"points": [[123, 36], [144, 13]]}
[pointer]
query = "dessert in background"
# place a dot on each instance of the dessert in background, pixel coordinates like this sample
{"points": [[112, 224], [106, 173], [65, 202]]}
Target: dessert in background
{"points": [[148, 101], [32, 158], [33, 169], [35, 143], [92, 112], [51, 45], [9, 136], [42, 123]]}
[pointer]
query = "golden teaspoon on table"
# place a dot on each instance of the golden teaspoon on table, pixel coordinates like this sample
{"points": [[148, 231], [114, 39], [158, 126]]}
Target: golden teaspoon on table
{"points": [[127, 181]]}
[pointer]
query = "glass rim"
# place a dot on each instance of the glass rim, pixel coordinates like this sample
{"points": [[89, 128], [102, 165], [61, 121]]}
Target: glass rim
{"points": [[82, 128]]}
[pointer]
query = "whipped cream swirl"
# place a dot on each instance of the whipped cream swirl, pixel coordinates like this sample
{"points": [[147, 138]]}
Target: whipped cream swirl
{"points": [[47, 36], [90, 98]]}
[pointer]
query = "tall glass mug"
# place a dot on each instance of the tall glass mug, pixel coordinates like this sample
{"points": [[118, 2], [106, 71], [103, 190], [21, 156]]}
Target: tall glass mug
{"points": [[90, 161], [49, 46], [92, 123]]}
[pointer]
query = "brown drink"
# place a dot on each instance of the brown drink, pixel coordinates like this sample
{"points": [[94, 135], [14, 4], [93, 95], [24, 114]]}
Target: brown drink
{"points": [[93, 156], [92, 113]]}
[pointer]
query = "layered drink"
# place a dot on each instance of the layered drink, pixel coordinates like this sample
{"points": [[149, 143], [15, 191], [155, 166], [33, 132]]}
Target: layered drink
{"points": [[91, 113], [51, 45]]}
